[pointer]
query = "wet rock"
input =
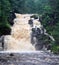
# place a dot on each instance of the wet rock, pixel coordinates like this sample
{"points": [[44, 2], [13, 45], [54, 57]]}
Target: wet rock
{"points": [[11, 17], [30, 58], [2, 42], [34, 16]]}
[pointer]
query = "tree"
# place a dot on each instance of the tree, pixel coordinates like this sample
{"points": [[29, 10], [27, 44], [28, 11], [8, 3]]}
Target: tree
{"points": [[4, 11]]}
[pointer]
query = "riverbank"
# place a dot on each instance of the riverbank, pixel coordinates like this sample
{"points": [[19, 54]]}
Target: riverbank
{"points": [[29, 58]]}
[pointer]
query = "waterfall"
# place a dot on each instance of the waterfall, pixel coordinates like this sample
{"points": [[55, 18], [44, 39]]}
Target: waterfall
{"points": [[21, 38]]}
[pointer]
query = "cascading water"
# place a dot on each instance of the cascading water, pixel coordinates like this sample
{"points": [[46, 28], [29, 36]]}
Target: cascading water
{"points": [[20, 38]]}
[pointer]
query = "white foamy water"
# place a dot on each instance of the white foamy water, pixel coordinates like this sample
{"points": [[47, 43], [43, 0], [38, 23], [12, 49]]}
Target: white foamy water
{"points": [[19, 40]]}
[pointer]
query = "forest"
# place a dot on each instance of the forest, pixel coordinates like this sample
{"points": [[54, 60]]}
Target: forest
{"points": [[48, 11]]}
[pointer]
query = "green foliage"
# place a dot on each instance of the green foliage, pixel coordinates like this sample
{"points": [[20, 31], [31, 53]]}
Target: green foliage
{"points": [[4, 11], [50, 20], [55, 49]]}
